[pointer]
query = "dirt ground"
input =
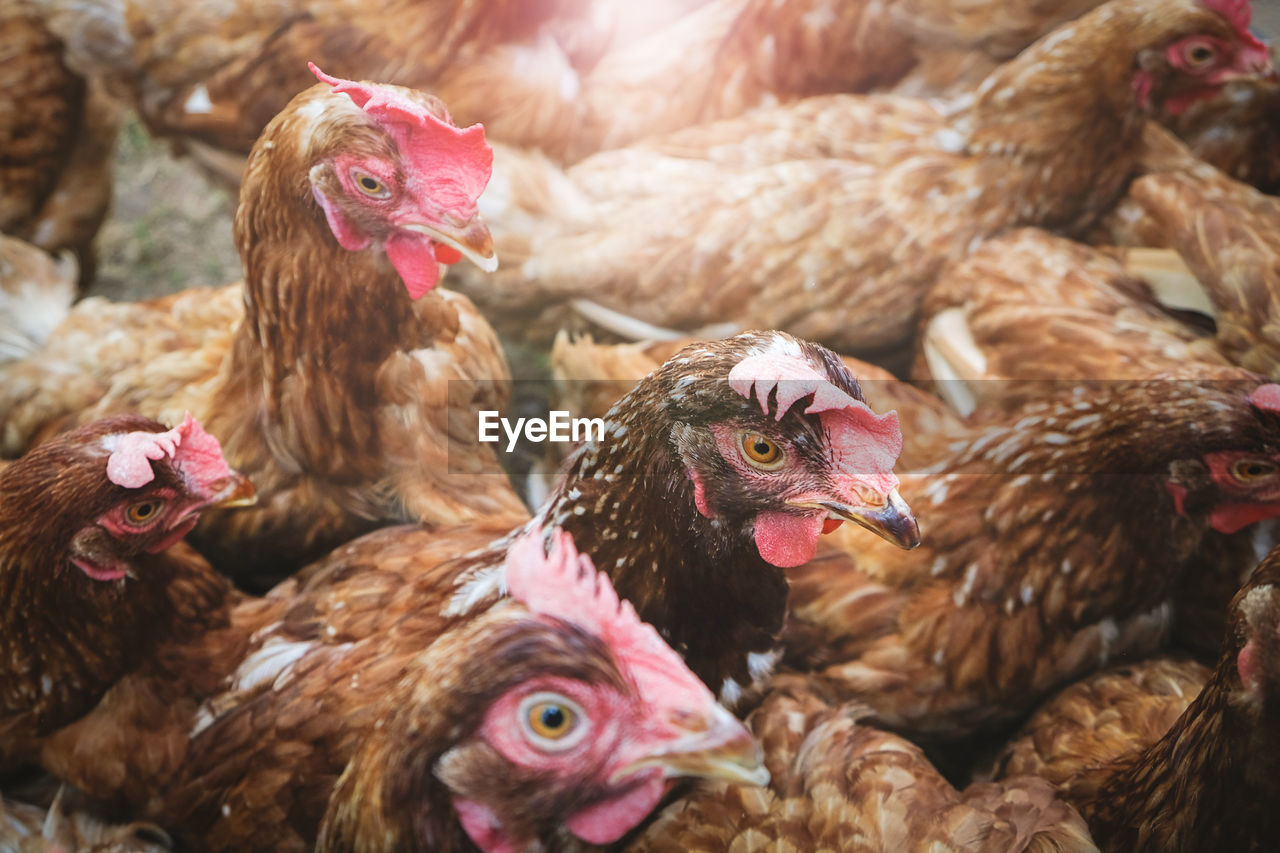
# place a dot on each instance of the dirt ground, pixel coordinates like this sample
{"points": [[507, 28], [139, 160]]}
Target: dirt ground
{"points": [[169, 226]]}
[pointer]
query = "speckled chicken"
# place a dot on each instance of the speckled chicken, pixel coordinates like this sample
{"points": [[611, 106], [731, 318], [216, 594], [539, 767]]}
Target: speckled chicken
{"points": [[57, 134], [855, 203], [837, 784], [1053, 543], [327, 375], [90, 568], [1167, 755]]}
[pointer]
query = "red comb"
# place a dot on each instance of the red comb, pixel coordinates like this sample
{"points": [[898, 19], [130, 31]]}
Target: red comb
{"points": [[458, 160]]}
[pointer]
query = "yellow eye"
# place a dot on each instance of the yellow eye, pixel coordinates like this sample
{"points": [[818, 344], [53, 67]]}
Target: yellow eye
{"points": [[759, 451], [369, 185], [1200, 54], [551, 720], [554, 722], [1252, 470], [142, 511]]}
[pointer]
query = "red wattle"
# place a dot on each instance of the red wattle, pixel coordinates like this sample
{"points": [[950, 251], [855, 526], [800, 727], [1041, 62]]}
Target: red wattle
{"points": [[413, 258], [787, 540]]}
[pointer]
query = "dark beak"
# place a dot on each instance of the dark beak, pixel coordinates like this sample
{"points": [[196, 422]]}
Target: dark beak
{"points": [[892, 521]]}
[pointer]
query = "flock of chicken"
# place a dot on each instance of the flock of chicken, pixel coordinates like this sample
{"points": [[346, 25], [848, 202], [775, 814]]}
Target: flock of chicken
{"points": [[262, 588]]}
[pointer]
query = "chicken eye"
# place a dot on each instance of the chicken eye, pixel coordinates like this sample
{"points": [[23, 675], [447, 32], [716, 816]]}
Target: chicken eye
{"points": [[760, 451], [1200, 54], [1252, 470], [554, 721], [369, 185], [142, 511]]}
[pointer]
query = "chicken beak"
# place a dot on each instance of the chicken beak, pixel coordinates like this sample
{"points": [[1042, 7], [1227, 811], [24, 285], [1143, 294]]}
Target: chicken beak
{"points": [[892, 520], [234, 490], [721, 748], [472, 239]]}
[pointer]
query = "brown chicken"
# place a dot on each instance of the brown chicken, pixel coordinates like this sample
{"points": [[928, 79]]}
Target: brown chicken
{"points": [[1238, 131], [67, 827], [57, 134], [1046, 311], [836, 784], [1229, 236], [327, 375], [856, 202], [1053, 543], [89, 564], [577, 712], [213, 74], [259, 759], [1154, 766]]}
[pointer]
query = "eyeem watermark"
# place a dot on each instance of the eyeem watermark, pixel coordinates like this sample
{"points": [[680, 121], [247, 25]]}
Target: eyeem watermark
{"points": [[559, 427]]}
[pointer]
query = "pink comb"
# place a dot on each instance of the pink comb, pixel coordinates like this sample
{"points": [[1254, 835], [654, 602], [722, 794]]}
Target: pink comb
{"points": [[865, 445], [459, 160], [1266, 397], [565, 585], [194, 452]]}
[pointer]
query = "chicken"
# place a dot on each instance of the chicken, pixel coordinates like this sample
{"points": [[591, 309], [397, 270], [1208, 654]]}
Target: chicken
{"points": [[1053, 543], [212, 74], [839, 785], [1154, 766], [858, 201], [580, 714], [1046, 311], [89, 563], [263, 750], [57, 132], [64, 828], [1229, 236], [327, 375], [1238, 131]]}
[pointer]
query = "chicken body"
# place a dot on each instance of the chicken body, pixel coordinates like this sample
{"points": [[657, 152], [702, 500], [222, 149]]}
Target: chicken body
{"points": [[857, 202], [837, 784], [326, 383], [1054, 542], [89, 567], [1166, 755], [57, 132]]}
